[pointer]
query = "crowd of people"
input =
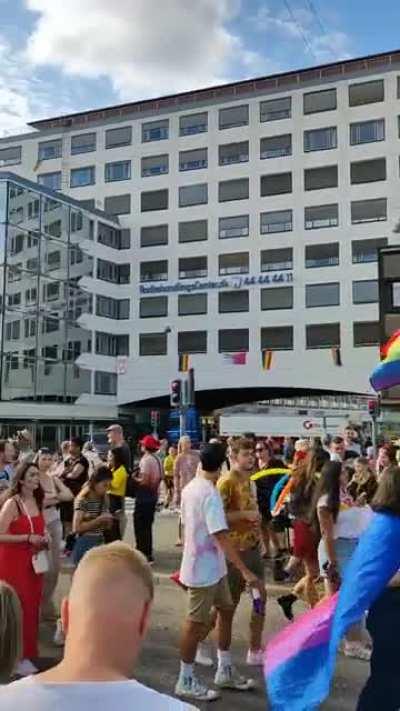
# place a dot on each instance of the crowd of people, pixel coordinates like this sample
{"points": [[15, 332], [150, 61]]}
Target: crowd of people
{"points": [[244, 504]]}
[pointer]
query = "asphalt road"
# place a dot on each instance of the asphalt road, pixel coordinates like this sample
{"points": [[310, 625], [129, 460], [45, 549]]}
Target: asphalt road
{"points": [[159, 663]]}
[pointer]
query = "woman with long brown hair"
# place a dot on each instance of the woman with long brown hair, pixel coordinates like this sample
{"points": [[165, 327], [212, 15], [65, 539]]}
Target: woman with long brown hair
{"points": [[363, 485], [22, 537], [91, 513]]}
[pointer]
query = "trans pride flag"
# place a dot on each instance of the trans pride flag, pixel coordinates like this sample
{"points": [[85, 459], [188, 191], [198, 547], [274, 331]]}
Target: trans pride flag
{"points": [[387, 373], [300, 660]]}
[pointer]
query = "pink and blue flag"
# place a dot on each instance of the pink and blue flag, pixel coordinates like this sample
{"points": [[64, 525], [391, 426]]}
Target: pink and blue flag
{"points": [[300, 660]]}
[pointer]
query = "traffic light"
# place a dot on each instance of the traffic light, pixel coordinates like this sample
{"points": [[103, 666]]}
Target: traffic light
{"points": [[373, 408], [175, 393]]}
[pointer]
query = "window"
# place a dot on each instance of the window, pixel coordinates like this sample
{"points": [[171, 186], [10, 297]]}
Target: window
{"points": [[278, 297], [154, 271], [193, 195], [237, 226], [192, 304], [236, 263], [276, 221], [233, 189], [31, 295], [369, 210], [318, 217], [152, 306], [276, 260], [112, 308], [316, 101], [193, 123], [17, 243], [323, 335], [51, 291], [50, 324], [366, 333], [32, 264], [233, 301], [111, 345], [368, 171], [75, 255], [30, 327], [193, 160], [10, 156], [233, 340], [276, 146], [192, 267], [276, 109], [50, 180], [320, 139], [366, 291], [277, 339], [366, 250], [154, 236], [276, 184], [120, 170], [318, 295], [14, 300], [233, 153], [125, 238], [367, 132], [88, 204], [321, 178], [368, 92], [109, 236], [116, 137], [14, 272], [194, 231], [105, 383], [322, 255], [53, 260], [115, 273], [155, 130], [82, 176], [154, 200], [155, 165], [83, 143], [50, 149], [192, 342], [117, 204], [233, 116], [13, 330], [152, 344]]}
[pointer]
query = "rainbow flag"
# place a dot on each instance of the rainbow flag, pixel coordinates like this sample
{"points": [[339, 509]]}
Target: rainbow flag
{"points": [[387, 373], [183, 365], [300, 660], [266, 360], [239, 358]]}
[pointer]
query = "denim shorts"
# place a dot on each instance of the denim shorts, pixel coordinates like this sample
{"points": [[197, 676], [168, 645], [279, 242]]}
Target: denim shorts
{"points": [[344, 548], [85, 543]]}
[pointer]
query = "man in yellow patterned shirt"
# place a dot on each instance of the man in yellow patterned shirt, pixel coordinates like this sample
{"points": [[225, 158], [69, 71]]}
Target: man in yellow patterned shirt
{"points": [[239, 497]]}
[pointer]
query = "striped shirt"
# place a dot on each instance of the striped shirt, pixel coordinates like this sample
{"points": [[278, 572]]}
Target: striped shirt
{"points": [[91, 507]]}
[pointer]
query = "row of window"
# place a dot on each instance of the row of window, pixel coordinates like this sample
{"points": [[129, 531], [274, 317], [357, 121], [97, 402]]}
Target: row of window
{"points": [[359, 94], [280, 338]]}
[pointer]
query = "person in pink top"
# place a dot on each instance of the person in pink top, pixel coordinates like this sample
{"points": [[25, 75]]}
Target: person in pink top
{"points": [[185, 469]]}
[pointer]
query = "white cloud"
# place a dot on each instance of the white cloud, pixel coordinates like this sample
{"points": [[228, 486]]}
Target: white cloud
{"points": [[144, 47]]}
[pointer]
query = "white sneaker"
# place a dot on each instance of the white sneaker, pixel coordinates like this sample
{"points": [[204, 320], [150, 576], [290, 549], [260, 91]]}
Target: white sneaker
{"points": [[25, 668], [188, 687], [229, 678], [59, 636], [255, 658], [203, 656]]}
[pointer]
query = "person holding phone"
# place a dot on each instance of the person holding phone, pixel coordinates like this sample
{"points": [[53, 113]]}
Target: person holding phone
{"points": [[91, 513]]}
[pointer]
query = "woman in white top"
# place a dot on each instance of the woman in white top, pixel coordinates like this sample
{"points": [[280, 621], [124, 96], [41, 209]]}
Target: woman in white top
{"points": [[341, 523], [54, 493]]}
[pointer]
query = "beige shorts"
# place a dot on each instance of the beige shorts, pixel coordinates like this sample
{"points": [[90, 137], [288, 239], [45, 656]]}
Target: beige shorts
{"points": [[202, 600]]}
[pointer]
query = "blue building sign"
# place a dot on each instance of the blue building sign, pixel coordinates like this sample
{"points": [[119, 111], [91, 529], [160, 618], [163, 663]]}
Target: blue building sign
{"points": [[236, 282]]}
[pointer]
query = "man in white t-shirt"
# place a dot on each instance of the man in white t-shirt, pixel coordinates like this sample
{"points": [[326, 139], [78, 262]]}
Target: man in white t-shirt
{"points": [[204, 573], [105, 620]]}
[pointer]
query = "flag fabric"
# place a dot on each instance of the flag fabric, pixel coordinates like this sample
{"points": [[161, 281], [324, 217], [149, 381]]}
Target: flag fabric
{"points": [[183, 363], [239, 358], [300, 660], [337, 356], [387, 372], [266, 359]]}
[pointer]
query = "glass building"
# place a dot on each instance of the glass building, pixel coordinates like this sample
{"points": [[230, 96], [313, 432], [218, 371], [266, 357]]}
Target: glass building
{"points": [[44, 239]]}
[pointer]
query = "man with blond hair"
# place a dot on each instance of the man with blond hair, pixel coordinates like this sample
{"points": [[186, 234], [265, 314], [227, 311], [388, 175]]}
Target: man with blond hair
{"points": [[105, 619]]}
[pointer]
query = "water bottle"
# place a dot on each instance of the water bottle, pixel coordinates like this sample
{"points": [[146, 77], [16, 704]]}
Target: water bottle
{"points": [[258, 602]]}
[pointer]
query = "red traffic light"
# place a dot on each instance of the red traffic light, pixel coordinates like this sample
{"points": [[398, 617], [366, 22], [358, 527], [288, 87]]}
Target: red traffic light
{"points": [[373, 408]]}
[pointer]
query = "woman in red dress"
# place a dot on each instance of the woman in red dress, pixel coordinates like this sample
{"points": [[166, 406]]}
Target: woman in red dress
{"points": [[22, 534]]}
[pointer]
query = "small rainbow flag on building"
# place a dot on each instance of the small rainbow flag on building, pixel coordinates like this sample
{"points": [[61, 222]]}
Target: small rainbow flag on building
{"points": [[239, 358], [387, 373], [266, 360], [183, 366]]}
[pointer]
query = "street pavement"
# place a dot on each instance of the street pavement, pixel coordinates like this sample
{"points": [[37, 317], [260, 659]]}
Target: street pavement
{"points": [[159, 663]]}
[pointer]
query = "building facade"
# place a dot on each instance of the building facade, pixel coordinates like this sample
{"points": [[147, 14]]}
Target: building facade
{"points": [[251, 216]]}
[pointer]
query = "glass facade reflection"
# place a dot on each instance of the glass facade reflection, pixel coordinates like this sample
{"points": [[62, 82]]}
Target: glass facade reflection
{"points": [[42, 305]]}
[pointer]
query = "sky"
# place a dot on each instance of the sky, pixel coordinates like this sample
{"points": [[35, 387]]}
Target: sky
{"points": [[62, 56]]}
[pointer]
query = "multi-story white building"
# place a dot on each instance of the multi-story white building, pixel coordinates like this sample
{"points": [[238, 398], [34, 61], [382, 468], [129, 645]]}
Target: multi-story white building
{"points": [[251, 213]]}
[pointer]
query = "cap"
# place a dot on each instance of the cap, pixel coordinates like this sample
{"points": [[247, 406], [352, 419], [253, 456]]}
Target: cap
{"points": [[150, 442], [116, 426]]}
